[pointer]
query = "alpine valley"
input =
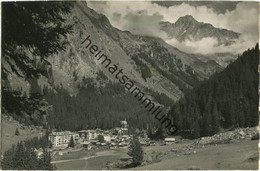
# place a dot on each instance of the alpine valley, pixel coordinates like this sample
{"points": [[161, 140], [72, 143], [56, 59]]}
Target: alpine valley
{"points": [[159, 69], [63, 108]]}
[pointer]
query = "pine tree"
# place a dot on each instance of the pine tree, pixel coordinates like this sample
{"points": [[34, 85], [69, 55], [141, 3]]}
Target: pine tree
{"points": [[150, 133], [215, 119], [196, 129], [25, 28], [45, 161], [19, 157], [33, 31], [135, 151], [17, 133], [101, 138], [23, 157], [31, 159], [71, 143], [50, 144], [7, 162], [159, 135]]}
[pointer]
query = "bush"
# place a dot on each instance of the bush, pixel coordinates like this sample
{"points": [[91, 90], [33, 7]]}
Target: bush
{"points": [[17, 133], [136, 152], [101, 138], [255, 137]]}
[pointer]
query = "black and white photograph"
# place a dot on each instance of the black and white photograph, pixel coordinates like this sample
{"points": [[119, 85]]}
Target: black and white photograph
{"points": [[130, 85]]}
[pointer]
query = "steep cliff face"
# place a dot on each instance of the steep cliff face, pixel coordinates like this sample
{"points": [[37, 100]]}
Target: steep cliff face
{"points": [[187, 28], [150, 62]]}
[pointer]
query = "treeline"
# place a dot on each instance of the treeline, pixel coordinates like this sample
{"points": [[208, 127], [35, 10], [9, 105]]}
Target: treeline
{"points": [[95, 107], [229, 99], [26, 48], [29, 109], [23, 156]]}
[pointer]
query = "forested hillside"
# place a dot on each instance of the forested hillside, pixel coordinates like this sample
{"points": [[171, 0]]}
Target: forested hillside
{"points": [[32, 32], [66, 86], [27, 45], [23, 155], [228, 99], [97, 107]]}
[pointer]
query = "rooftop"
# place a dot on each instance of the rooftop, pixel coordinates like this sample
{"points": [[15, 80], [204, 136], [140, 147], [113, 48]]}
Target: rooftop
{"points": [[87, 131], [62, 133]]}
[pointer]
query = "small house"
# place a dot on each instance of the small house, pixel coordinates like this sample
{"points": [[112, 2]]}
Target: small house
{"points": [[169, 141], [107, 138], [87, 145]]}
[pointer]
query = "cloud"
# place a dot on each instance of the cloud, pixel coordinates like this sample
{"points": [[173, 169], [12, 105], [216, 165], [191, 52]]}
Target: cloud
{"points": [[209, 45], [218, 6], [143, 18], [142, 23]]}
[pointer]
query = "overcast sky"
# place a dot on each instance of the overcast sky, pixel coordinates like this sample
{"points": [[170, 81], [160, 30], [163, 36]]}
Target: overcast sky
{"points": [[143, 18]]}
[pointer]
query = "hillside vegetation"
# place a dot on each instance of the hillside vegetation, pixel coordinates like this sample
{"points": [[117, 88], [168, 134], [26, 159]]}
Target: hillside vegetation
{"points": [[229, 99]]}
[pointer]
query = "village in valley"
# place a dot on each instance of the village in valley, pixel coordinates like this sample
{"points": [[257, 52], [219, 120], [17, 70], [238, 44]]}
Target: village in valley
{"points": [[118, 137], [82, 84], [85, 148], [109, 148], [66, 146]]}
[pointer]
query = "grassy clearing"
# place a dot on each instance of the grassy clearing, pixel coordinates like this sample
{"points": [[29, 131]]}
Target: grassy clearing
{"points": [[8, 137], [224, 156]]}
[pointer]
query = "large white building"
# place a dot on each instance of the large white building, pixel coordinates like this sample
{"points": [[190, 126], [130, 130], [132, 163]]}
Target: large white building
{"points": [[88, 135], [62, 138]]}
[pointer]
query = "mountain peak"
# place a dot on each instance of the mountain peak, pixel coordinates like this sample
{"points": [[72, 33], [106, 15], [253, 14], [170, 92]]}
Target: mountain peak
{"points": [[186, 19], [188, 28]]}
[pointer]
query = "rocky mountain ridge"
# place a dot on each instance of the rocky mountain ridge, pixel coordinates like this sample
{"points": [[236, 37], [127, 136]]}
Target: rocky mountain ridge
{"points": [[188, 28], [171, 71]]}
